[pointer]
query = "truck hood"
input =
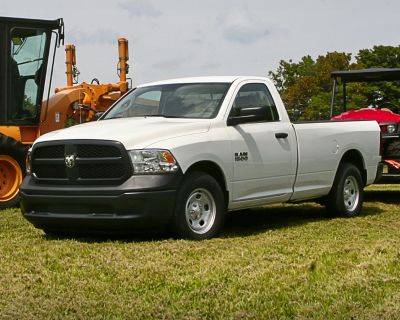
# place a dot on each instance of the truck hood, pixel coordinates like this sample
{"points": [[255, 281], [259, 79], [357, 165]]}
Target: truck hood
{"points": [[133, 133]]}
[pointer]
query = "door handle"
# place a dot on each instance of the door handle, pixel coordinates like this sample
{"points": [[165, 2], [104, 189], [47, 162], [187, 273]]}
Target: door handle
{"points": [[281, 135]]}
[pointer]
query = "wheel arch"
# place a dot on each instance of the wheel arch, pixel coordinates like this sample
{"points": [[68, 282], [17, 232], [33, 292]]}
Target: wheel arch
{"points": [[355, 157], [213, 170]]}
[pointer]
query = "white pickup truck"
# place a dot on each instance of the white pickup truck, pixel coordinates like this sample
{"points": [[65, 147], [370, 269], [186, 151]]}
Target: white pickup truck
{"points": [[182, 153]]}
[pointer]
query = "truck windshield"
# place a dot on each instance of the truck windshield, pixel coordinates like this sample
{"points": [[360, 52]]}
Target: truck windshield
{"points": [[187, 100]]}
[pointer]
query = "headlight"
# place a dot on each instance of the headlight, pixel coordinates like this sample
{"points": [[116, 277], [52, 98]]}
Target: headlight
{"points": [[28, 162], [391, 128], [153, 161]]}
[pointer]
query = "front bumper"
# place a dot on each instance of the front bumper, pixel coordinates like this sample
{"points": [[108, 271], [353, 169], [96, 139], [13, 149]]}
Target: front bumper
{"points": [[139, 204]]}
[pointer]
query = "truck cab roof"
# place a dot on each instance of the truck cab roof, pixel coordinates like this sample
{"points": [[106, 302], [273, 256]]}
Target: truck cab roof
{"points": [[215, 79]]}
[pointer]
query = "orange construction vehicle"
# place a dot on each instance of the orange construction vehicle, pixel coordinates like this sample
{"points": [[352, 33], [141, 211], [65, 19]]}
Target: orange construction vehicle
{"points": [[24, 115]]}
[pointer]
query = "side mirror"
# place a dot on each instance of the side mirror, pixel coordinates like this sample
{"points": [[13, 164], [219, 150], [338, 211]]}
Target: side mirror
{"points": [[248, 114]]}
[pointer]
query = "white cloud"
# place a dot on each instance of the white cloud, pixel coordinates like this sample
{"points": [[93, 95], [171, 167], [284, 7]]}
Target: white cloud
{"points": [[242, 27], [99, 36], [169, 64], [211, 65], [175, 38], [140, 8]]}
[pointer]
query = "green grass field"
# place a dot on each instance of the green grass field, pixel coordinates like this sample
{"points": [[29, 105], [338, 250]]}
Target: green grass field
{"points": [[278, 262]]}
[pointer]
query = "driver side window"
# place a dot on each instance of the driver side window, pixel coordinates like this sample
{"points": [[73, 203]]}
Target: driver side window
{"points": [[255, 95]]}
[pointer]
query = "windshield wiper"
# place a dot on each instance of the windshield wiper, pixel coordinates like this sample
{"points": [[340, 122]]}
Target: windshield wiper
{"points": [[116, 117], [162, 115], [145, 116]]}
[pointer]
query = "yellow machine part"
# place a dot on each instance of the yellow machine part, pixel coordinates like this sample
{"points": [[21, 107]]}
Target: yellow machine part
{"points": [[79, 103], [57, 110], [26, 135], [95, 97]]}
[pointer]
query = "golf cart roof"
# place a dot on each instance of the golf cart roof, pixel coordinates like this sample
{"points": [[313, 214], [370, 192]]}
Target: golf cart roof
{"points": [[367, 75]]}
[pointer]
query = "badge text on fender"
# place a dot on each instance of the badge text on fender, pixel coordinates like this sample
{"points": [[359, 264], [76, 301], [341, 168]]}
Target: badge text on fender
{"points": [[241, 156]]}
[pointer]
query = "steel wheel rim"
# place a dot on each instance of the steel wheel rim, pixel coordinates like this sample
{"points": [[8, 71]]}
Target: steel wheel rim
{"points": [[200, 211], [10, 178], [351, 193]]}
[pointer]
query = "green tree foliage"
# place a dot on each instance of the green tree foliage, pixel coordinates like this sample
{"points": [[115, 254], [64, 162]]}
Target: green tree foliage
{"points": [[288, 72], [381, 57], [29, 106], [305, 86]]}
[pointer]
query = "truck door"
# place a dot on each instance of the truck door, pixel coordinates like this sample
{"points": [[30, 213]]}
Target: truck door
{"points": [[264, 152]]}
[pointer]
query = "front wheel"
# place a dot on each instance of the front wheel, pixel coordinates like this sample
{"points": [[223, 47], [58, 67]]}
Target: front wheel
{"points": [[346, 196], [200, 209]]}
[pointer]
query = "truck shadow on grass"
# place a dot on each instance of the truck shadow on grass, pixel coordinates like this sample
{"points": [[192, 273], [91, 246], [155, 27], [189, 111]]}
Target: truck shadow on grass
{"points": [[255, 221], [238, 224], [386, 196], [103, 238]]}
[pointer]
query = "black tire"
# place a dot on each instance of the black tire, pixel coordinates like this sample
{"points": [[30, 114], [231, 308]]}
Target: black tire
{"points": [[393, 149], [15, 151], [347, 194], [200, 208]]}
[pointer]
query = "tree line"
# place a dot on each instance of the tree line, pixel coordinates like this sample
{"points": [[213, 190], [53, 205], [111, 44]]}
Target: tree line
{"points": [[306, 86]]}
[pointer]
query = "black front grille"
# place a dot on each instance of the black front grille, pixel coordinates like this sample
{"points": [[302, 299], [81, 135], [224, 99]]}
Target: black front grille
{"points": [[50, 152], [97, 151], [112, 170], [94, 162], [55, 171]]}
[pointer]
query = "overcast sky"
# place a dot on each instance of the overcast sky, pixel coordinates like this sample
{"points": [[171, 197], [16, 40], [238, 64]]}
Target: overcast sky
{"points": [[174, 38]]}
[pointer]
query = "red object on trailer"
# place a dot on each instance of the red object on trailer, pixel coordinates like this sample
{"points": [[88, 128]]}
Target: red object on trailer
{"points": [[379, 115]]}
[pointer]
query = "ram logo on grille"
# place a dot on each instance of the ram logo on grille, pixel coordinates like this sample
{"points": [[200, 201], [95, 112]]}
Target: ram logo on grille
{"points": [[70, 160]]}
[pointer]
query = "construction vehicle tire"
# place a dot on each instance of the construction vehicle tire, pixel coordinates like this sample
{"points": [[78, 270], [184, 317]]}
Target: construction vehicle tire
{"points": [[12, 170]]}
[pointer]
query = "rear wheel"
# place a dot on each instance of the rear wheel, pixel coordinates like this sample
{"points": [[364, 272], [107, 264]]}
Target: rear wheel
{"points": [[12, 171], [346, 196], [200, 208]]}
